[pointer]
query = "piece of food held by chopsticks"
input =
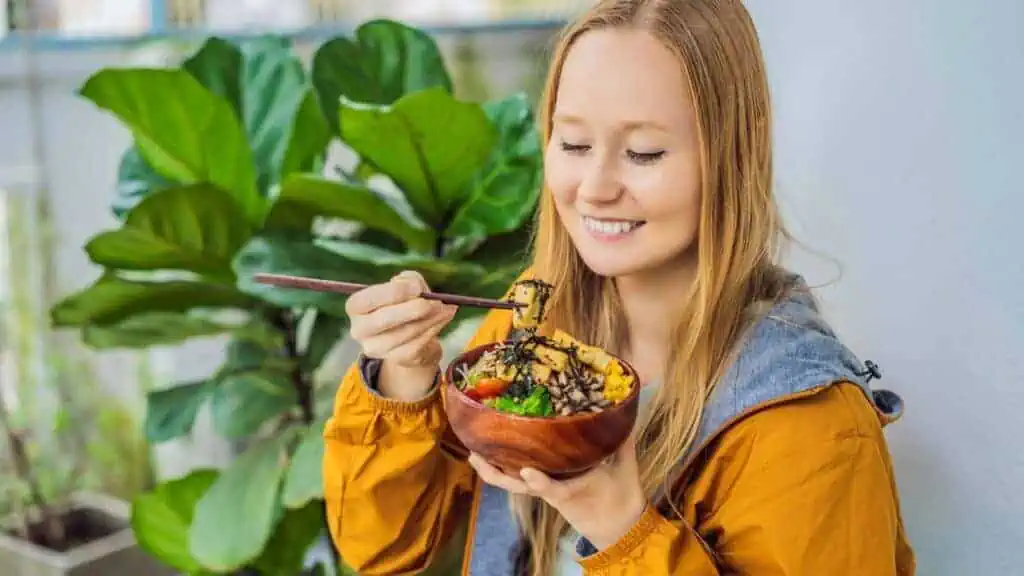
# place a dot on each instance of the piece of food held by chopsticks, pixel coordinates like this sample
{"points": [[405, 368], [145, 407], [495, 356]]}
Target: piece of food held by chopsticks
{"points": [[538, 376]]}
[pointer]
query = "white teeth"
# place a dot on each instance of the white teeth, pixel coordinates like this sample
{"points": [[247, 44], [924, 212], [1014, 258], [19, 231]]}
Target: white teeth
{"points": [[608, 227]]}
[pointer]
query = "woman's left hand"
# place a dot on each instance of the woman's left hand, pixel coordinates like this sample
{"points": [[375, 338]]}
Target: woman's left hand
{"points": [[602, 505]]}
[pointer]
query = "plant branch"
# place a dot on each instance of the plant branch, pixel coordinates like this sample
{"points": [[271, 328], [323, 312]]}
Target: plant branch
{"points": [[53, 530], [300, 379]]}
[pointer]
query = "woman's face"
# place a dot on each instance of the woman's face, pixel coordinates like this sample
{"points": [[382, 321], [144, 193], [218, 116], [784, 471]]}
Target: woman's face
{"points": [[623, 159]]}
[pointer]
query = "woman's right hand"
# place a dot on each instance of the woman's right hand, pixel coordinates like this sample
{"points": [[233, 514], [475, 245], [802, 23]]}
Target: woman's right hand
{"points": [[392, 323]]}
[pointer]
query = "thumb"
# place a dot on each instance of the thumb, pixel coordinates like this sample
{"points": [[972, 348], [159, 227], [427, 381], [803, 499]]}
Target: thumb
{"points": [[415, 277]]}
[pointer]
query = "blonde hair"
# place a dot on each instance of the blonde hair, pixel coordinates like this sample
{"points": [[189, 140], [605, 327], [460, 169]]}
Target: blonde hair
{"points": [[737, 246]]}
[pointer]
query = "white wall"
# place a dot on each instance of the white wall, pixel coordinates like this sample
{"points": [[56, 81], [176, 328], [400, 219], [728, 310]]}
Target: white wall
{"points": [[898, 130]]}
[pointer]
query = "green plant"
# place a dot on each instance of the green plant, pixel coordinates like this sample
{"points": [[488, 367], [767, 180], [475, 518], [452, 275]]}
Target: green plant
{"points": [[63, 433], [228, 177]]}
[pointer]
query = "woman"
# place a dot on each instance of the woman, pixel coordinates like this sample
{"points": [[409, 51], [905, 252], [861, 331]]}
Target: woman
{"points": [[760, 450]]}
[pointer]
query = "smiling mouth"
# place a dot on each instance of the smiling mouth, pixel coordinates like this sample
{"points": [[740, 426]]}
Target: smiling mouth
{"points": [[611, 227]]}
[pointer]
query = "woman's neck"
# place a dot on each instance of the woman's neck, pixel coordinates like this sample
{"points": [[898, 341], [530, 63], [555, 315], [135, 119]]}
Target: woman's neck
{"points": [[652, 303]]}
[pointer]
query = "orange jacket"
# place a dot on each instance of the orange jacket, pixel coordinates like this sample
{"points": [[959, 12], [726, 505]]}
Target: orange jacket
{"points": [[803, 486]]}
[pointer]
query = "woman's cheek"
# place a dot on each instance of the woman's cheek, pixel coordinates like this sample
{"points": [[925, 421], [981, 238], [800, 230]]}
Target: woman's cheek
{"points": [[559, 179]]}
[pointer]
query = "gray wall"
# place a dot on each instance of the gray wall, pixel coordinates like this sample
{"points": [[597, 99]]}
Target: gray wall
{"points": [[897, 127], [898, 130]]}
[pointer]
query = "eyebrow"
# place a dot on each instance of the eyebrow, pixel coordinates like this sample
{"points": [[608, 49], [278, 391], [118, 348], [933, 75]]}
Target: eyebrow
{"points": [[629, 125]]}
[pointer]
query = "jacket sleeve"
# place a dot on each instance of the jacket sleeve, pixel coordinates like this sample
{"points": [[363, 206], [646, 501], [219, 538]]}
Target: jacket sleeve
{"points": [[803, 488], [393, 490]]}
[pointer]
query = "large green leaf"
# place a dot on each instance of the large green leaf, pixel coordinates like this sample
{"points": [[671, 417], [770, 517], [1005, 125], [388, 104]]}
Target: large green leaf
{"points": [[310, 135], [438, 273], [151, 329], [245, 356], [299, 256], [385, 61], [505, 193], [171, 412], [429, 143], [304, 196], [297, 530], [267, 87], [242, 403], [111, 299], [274, 87], [304, 481], [136, 179], [235, 517], [218, 65], [185, 132], [326, 332], [516, 126], [161, 519], [501, 202], [196, 228]]}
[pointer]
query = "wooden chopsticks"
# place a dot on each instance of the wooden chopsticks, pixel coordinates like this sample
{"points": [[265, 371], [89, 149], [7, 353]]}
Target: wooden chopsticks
{"points": [[338, 287]]}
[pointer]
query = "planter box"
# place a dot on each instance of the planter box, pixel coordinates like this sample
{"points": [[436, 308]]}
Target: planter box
{"points": [[115, 554]]}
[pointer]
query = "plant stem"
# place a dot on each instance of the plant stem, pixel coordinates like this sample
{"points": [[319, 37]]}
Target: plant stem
{"points": [[303, 383], [300, 380], [53, 530]]}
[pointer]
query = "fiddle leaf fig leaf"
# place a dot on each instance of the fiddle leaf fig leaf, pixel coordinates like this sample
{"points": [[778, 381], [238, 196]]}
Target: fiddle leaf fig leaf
{"points": [[303, 482], [385, 61], [430, 144], [304, 196], [151, 329], [279, 254], [242, 403], [234, 519], [310, 135], [193, 137], [112, 298], [327, 331], [505, 193], [294, 533], [136, 180], [161, 519], [196, 228], [171, 412]]}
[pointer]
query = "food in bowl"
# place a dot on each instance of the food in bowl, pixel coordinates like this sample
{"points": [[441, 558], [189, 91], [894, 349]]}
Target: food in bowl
{"points": [[538, 376]]}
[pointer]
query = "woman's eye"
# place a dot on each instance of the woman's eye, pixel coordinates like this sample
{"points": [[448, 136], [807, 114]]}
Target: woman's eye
{"points": [[574, 148], [645, 157]]}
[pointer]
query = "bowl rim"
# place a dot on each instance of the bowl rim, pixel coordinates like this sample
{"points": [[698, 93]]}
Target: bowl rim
{"points": [[448, 383]]}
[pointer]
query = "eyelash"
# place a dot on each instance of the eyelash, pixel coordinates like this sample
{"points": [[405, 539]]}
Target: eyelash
{"points": [[638, 157]]}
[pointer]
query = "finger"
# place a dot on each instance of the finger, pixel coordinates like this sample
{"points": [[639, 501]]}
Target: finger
{"points": [[399, 289], [556, 491], [419, 346], [495, 477], [415, 276], [542, 486], [384, 319], [406, 337]]}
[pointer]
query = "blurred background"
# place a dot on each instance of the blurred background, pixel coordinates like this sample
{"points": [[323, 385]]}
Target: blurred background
{"points": [[898, 155]]}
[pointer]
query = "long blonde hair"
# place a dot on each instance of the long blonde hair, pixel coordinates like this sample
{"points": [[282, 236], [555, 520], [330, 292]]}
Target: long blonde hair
{"points": [[737, 243]]}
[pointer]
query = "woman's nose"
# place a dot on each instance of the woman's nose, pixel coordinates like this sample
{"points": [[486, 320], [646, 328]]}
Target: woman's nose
{"points": [[599, 185]]}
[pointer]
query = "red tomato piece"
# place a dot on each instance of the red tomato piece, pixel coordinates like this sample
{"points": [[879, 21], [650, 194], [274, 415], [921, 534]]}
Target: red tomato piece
{"points": [[488, 388]]}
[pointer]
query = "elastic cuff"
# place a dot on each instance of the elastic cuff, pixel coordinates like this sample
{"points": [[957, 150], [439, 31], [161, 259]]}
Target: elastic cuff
{"points": [[649, 523], [369, 371]]}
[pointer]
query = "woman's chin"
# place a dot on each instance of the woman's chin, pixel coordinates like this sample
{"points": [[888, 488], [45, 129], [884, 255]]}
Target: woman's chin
{"points": [[609, 266]]}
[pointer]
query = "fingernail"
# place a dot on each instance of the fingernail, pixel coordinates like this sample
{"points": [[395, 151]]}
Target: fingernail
{"points": [[527, 474]]}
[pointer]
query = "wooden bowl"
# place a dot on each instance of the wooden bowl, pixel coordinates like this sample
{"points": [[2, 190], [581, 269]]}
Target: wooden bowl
{"points": [[560, 446]]}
